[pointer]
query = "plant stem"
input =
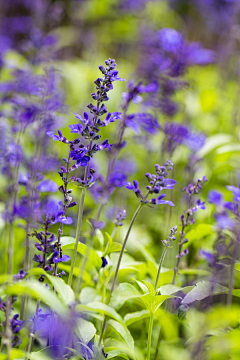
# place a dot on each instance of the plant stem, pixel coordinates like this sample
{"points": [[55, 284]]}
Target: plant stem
{"points": [[32, 332], [232, 268], [160, 268], [158, 343], [149, 336], [78, 232], [119, 263]]}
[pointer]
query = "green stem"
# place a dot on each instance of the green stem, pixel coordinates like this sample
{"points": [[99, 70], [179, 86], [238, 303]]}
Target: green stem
{"points": [[232, 269], [158, 343], [160, 267], [78, 232], [149, 336], [119, 263], [32, 333]]}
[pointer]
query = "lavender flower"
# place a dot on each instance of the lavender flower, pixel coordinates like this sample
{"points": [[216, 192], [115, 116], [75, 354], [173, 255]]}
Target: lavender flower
{"points": [[158, 182], [188, 218]]}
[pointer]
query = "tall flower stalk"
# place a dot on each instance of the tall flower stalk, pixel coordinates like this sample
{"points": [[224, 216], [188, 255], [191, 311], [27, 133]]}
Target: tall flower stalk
{"points": [[158, 182], [167, 243], [90, 132], [188, 219]]}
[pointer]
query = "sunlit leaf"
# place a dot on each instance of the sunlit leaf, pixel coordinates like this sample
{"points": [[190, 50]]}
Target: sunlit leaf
{"points": [[202, 290], [123, 332], [64, 291], [37, 290], [136, 316], [100, 308]]}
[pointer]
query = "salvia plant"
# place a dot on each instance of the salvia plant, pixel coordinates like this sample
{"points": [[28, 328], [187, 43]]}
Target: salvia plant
{"points": [[88, 270]]}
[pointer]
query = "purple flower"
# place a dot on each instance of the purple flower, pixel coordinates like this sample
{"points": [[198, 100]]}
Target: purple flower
{"points": [[104, 262], [224, 221], [235, 191], [159, 201], [135, 188], [170, 40], [145, 120], [181, 134], [211, 259], [58, 137], [199, 205], [215, 197], [55, 259], [20, 275], [120, 217], [47, 186], [110, 118]]}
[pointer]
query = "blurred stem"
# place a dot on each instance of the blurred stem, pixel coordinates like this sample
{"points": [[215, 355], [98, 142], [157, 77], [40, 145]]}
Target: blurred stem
{"points": [[158, 343], [32, 332], [85, 260], [180, 246], [60, 230], [232, 270], [78, 233], [149, 336], [160, 267], [113, 160], [119, 262], [114, 232]]}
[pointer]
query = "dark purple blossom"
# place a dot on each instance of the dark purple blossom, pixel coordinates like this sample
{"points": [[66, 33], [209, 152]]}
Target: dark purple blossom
{"points": [[20, 275]]}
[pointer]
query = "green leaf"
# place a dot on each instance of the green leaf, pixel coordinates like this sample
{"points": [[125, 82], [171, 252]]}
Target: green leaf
{"points": [[236, 292], [17, 354], [212, 142], [5, 278], [39, 355], [166, 274], [123, 332], [67, 240], [64, 291], [142, 286], [171, 289], [202, 290], [233, 147], [149, 286], [190, 271], [115, 247], [153, 302], [87, 295], [100, 237], [237, 266], [126, 291], [37, 290], [86, 330], [100, 308], [87, 277], [114, 353], [198, 233], [136, 316], [69, 243]]}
